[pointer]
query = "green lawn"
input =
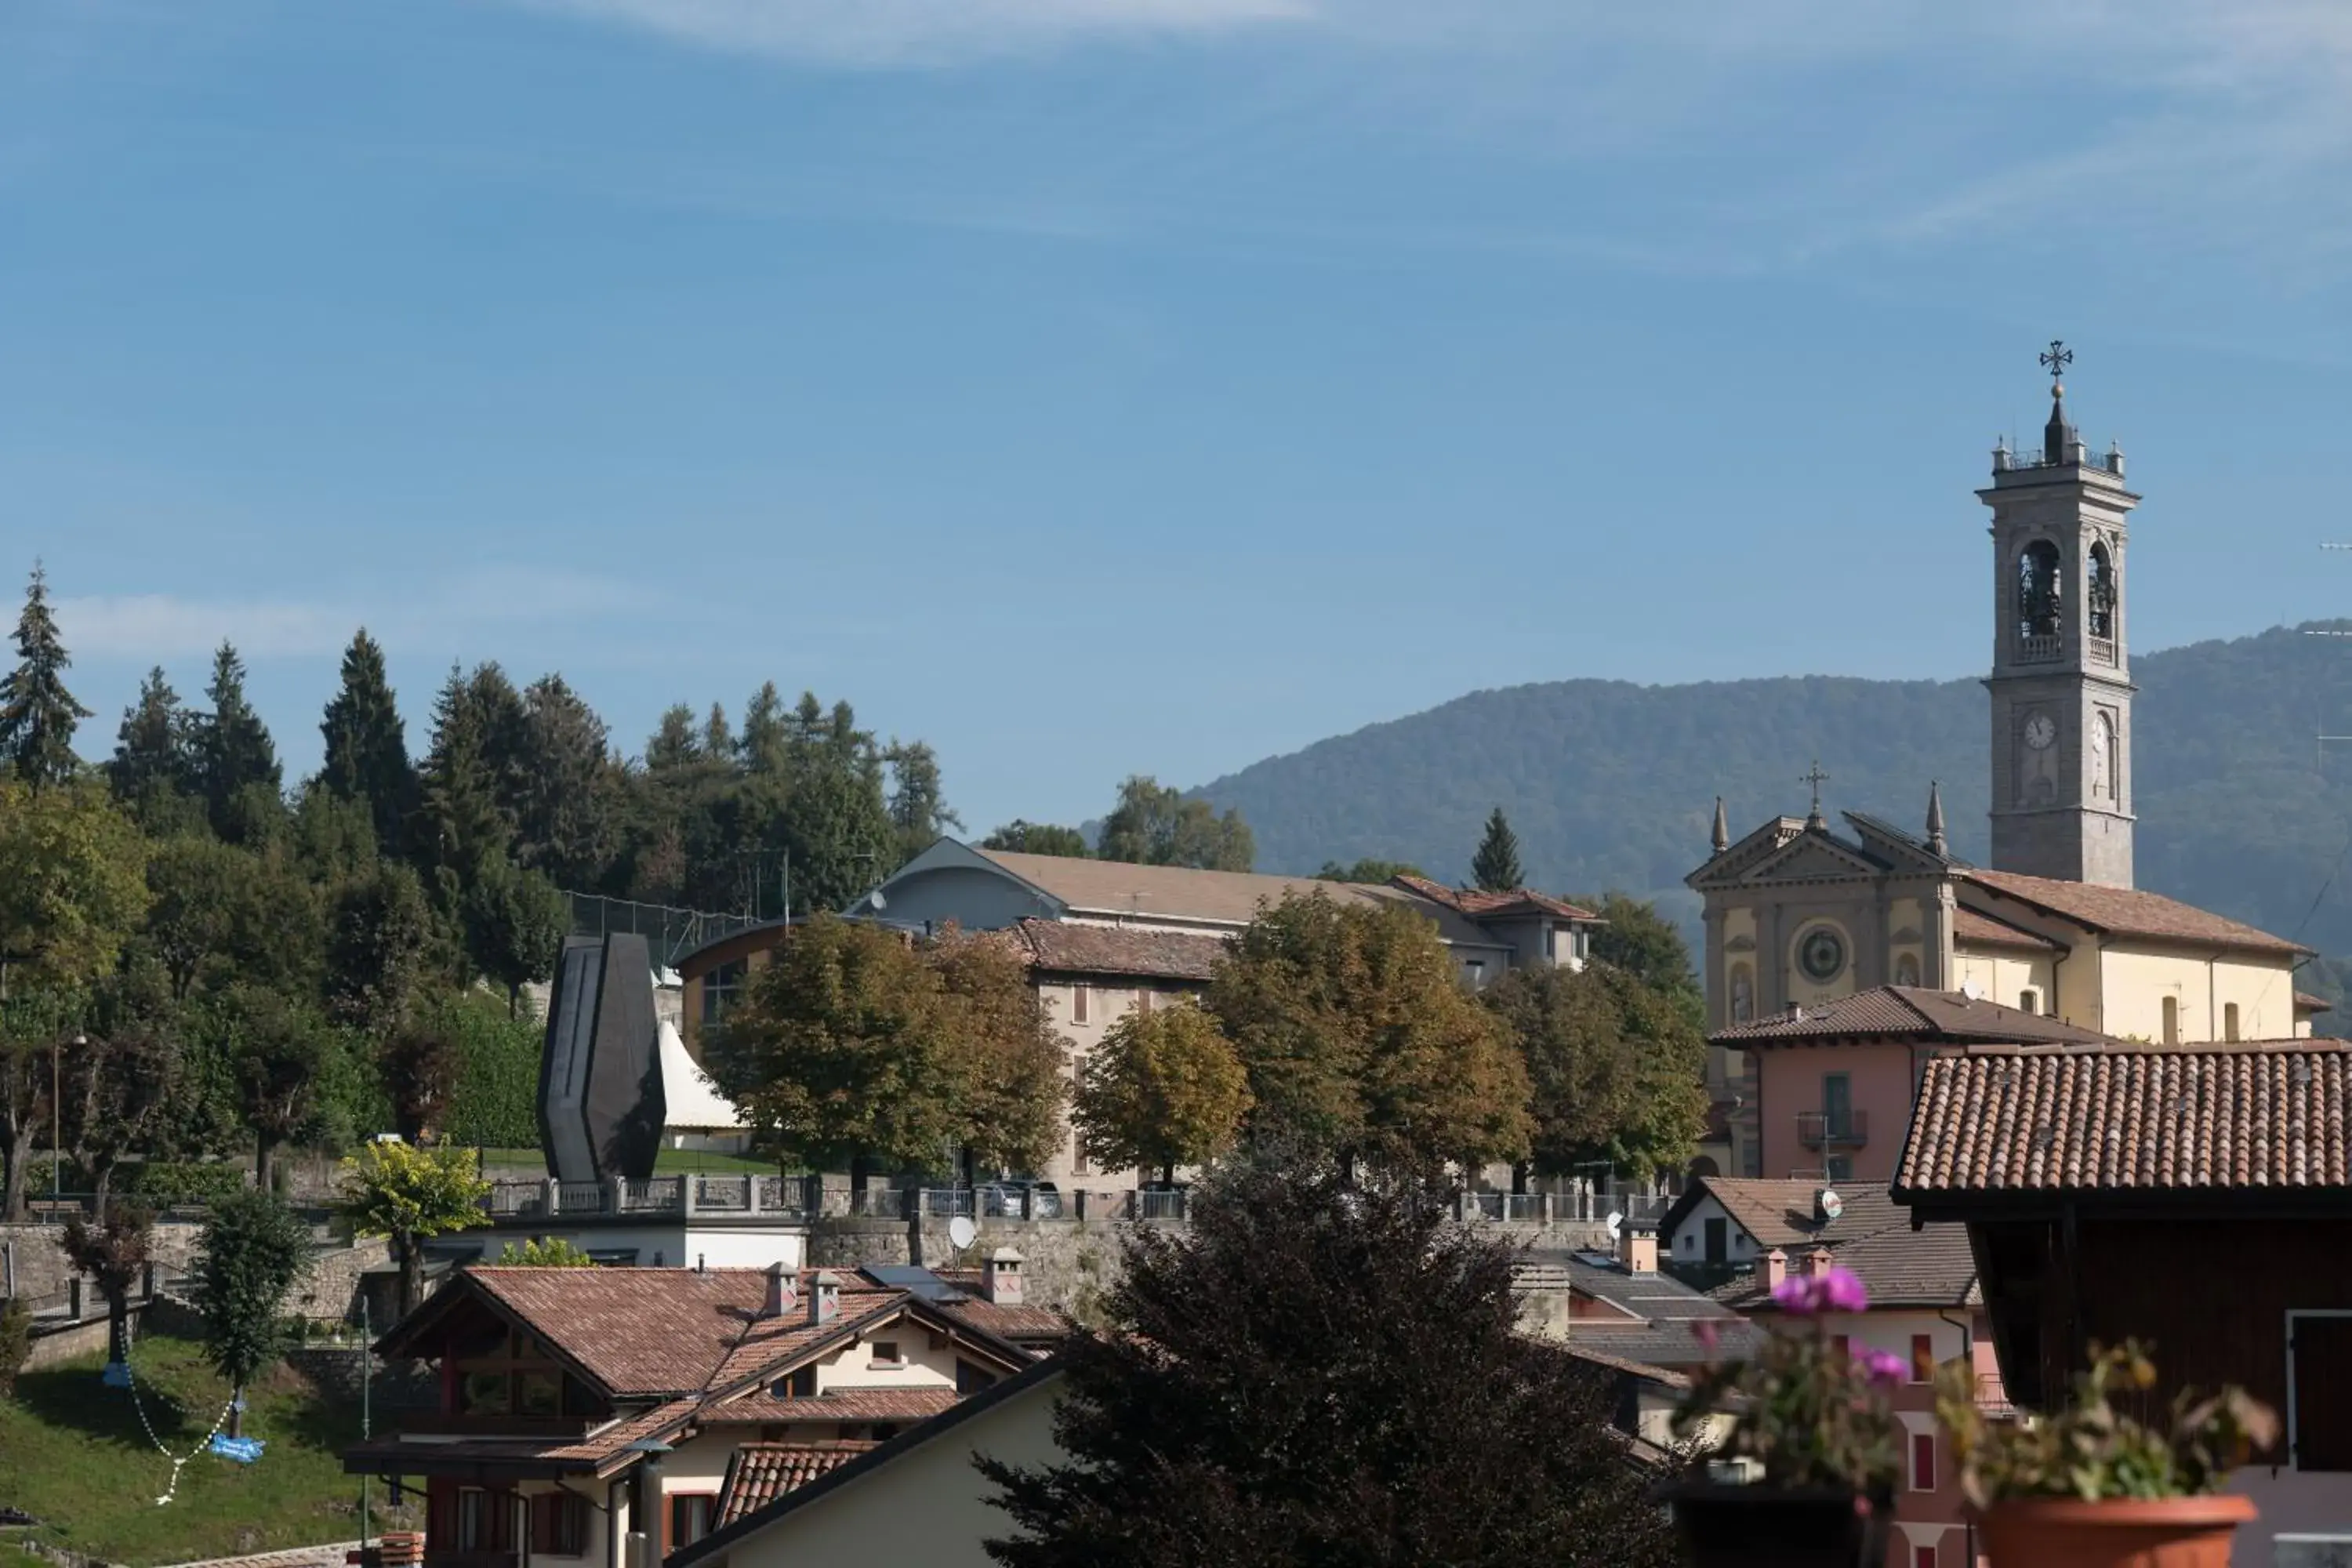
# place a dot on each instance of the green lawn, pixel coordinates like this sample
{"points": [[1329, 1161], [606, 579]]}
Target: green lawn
{"points": [[72, 1453]]}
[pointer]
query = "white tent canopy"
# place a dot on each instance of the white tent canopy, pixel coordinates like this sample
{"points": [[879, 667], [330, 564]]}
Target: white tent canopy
{"points": [[693, 1102]]}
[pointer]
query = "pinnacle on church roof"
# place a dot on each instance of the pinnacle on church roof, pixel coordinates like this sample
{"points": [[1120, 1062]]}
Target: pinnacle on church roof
{"points": [[1722, 827], [1935, 840]]}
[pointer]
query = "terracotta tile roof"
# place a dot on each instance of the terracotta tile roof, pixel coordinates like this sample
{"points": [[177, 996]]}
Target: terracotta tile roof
{"points": [[1478, 903], [1066, 947], [1134, 892], [2124, 1117], [838, 1404], [1658, 1308], [1972, 929], [1899, 1266], [1665, 1376], [1024, 1324], [760, 1473], [1906, 1012], [2130, 912], [644, 1333], [1784, 1214], [602, 1451], [2305, 1001]]}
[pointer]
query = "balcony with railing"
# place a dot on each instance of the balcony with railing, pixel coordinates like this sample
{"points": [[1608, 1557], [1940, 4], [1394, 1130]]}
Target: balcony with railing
{"points": [[742, 1196], [1832, 1129]]}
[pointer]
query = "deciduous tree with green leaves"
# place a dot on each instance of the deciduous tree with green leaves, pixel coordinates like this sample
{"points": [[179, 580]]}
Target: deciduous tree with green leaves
{"points": [[408, 1195], [1368, 870], [251, 1253], [544, 1252], [1360, 1039], [1160, 1089], [1154, 825], [113, 1253], [37, 714], [1615, 1068], [73, 883], [1495, 866], [380, 940], [279, 1054], [1008, 1060]]}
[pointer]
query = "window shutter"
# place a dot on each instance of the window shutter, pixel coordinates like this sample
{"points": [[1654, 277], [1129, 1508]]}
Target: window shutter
{"points": [[1923, 1462], [2323, 1394]]}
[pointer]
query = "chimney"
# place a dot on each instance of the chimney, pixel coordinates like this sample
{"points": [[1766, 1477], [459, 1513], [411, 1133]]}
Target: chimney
{"points": [[1637, 1249], [1817, 1262], [1000, 1278], [825, 1298], [782, 1286], [1773, 1269]]}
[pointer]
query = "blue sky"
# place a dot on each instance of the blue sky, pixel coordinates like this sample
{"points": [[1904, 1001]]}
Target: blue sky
{"points": [[1096, 386]]}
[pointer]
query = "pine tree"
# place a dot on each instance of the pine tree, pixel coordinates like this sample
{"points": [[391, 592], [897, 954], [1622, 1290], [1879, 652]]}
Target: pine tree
{"points": [[1496, 866], [460, 823], [367, 745], [152, 757], [37, 714], [566, 828], [763, 745], [919, 806], [675, 745], [236, 760]]}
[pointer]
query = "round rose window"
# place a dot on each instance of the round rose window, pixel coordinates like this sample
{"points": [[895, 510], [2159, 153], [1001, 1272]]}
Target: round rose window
{"points": [[1820, 953]]}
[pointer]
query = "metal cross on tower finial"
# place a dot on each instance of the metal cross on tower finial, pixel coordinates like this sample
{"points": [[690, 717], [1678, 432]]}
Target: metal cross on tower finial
{"points": [[2056, 359], [1815, 778]]}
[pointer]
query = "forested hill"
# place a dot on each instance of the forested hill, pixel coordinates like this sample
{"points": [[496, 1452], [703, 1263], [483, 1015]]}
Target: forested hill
{"points": [[1611, 784]]}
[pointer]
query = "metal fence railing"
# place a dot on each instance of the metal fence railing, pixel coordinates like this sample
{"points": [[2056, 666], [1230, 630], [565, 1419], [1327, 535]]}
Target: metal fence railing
{"points": [[668, 931]]}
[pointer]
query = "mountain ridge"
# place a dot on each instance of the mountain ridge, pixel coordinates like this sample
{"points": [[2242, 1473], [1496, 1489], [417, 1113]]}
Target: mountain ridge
{"points": [[1611, 783]]}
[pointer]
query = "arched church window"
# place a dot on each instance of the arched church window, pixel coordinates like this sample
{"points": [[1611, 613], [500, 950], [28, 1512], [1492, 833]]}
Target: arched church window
{"points": [[2099, 593], [2037, 590], [1907, 969], [1743, 995]]}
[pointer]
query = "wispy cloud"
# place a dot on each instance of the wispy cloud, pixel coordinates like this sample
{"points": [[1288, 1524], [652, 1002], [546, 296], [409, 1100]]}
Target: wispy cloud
{"points": [[919, 32], [171, 626]]}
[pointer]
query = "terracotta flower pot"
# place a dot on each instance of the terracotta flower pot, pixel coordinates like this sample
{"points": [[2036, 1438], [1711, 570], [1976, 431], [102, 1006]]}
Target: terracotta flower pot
{"points": [[1779, 1527], [2066, 1533]]}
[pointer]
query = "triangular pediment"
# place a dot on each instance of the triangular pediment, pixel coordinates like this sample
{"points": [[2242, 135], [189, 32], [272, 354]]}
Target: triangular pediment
{"points": [[1725, 870], [1815, 856]]}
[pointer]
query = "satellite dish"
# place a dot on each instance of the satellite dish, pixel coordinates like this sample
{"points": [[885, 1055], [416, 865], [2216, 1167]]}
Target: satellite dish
{"points": [[961, 1232], [1971, 990], [875, 900], [1615, 1219], [1833, 1205]]}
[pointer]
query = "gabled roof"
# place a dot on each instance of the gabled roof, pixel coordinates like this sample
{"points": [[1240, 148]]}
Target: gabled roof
{"points": [[1727, 867], [1973, 927], [717, 1544], [1784, 1214], [1067, 947], [1657, 1310], [1119, 890], [1904, 1013], [892, 1404], [1899, 849], [760, 1473], [1478, 904], [2131, 912], [2131, 1119]]}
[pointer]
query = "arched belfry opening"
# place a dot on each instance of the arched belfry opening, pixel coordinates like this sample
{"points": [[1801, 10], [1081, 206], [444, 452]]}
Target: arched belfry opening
{"points": [[2099, 593], [2038, 592]]}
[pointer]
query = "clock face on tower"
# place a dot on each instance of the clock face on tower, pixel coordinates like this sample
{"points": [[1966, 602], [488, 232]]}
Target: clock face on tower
{"points": [[2040, 731]]}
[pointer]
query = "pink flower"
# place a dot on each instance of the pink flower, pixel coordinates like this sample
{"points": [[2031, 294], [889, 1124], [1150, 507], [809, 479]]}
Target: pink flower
{"points": [[1796, 1293], [1883, 1367], [1841, 1292]]}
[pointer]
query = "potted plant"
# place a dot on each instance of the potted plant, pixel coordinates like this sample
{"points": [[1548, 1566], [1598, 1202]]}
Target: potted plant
{"points": [[2090, 1487], [1803, 1477]]}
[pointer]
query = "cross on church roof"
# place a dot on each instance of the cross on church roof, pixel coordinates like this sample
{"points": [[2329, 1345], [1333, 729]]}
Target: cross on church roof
{"points": [[1815, 778], [2056, 359]]}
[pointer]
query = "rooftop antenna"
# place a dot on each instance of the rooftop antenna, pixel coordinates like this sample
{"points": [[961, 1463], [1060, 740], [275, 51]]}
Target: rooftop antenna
{"points": [[962, 1234]]}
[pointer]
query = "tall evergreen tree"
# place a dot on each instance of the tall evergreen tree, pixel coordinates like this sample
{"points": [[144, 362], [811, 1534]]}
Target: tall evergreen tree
{"points": [[918, 805], [764, 742], [460, 821], [37, 714], [566, 829], [367, 745], [152, 767], [1496, 866], [675, 745], [236, 763]]}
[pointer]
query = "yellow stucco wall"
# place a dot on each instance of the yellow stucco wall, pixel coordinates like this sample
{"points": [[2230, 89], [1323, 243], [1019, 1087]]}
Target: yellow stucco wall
{"points": [[929, 1506], [2002, 975], [2137, 981]]}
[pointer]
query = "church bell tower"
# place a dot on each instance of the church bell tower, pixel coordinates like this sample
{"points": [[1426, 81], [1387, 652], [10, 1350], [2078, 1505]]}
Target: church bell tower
{"points": [[2061, 681]]}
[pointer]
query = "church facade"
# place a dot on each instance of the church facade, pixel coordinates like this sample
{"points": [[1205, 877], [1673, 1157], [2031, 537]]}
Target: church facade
{"points": [[1800, 913]]}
